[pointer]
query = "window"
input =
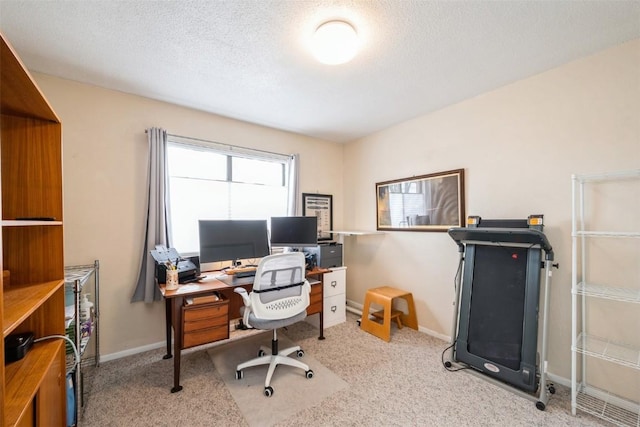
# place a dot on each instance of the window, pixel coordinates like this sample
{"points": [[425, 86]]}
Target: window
{"points": [[213, 181]]}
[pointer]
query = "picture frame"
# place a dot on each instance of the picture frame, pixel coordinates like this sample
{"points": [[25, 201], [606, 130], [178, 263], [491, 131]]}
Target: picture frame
{"points": [[432, 202], [321, 206]]}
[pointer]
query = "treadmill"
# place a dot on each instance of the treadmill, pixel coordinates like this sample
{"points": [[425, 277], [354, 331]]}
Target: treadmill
{"points": [[495, 328]]}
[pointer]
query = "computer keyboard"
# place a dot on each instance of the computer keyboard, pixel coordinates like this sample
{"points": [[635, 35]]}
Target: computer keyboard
{"points": [[248, 273], [241, 271]]}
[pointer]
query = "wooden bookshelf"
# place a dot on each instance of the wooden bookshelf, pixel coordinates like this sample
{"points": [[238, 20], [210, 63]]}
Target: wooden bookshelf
{"points": [[32, 389]]}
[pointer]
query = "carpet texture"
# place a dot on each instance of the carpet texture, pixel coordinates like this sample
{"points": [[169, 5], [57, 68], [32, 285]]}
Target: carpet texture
{"points": [[293, 392], [399, 383]]}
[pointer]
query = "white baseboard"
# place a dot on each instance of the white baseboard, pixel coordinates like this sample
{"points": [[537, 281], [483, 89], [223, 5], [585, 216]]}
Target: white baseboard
{"points": [[356, 308], [132, 351], [556, 379]]}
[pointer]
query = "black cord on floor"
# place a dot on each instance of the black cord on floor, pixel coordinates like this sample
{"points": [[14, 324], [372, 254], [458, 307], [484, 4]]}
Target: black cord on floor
{"points": [[447, 364]]}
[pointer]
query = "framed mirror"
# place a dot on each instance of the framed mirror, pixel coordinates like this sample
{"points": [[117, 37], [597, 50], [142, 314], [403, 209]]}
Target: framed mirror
{"points": [[433, 202]]}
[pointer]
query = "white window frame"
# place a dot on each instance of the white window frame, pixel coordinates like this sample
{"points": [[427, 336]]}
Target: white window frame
{"points": [[233, 151]]}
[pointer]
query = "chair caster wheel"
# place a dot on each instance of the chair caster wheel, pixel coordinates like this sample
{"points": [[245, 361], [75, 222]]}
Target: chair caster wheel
{"points": [[309, 374], [260, 353], [268, 391], [359, 322], [300, 353], [239, 375]]}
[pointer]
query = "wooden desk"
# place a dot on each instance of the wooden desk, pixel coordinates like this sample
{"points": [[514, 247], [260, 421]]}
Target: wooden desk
{"points": [[174, 301]]}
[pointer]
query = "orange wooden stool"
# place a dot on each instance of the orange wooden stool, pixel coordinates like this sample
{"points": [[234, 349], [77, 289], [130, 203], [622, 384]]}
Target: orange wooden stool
{"points": [[384, 296]]}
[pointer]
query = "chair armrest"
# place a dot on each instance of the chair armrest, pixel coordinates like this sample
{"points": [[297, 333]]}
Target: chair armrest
{"points": [[245, 296], [247, 304]]}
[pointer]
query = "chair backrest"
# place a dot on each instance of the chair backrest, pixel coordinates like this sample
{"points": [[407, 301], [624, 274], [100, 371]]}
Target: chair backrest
{"points": [[280, 289]]}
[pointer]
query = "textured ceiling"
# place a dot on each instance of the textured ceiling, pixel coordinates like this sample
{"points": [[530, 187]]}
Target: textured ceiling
{"points": [[247, 59]]}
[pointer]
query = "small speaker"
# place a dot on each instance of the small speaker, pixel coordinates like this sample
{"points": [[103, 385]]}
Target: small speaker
{"points": [[16, 346]]}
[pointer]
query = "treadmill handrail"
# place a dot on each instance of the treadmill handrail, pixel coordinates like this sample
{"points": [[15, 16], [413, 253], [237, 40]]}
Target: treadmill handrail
{"points": [[463, 235]]}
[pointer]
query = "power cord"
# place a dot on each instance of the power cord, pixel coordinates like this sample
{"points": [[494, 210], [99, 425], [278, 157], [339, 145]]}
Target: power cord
{"points": [[447, 364], [76, 355]]}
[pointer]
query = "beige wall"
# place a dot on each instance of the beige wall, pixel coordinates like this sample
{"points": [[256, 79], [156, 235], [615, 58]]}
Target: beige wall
{"points": [[519, 146], [105, 160]]}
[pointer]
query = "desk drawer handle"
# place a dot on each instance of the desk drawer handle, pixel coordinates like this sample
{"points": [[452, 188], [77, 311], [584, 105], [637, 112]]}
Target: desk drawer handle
{"points": [[334, 308], [334, 283]]}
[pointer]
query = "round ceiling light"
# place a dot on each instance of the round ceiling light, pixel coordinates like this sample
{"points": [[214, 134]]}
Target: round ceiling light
{"points": [[335, 42]]}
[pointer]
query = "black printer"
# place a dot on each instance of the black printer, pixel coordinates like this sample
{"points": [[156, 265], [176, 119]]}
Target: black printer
{"points": [[327, 255], [188, 268]]}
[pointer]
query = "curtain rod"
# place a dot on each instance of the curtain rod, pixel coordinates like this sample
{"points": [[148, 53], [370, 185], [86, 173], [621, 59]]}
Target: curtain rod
{"points": [[225, 145]]}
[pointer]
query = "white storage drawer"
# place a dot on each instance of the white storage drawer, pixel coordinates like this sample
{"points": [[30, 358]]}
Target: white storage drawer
{"points": [[335, 281], [334, 304], [334, 310]]}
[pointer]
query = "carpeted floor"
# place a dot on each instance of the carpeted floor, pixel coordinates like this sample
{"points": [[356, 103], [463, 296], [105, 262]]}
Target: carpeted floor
{"points": [[401, 383], [289, 383]]}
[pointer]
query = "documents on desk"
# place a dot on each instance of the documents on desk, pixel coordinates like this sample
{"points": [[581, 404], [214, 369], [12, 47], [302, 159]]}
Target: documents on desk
{"points": [[204, 299]]}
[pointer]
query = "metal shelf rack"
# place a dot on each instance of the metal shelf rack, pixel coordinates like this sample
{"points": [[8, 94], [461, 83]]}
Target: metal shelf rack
{"points": [[76, 278], [584, 396]]}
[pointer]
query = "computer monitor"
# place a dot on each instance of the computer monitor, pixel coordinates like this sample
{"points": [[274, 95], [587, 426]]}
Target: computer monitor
{"points": [[294, 231], [231, 240]]}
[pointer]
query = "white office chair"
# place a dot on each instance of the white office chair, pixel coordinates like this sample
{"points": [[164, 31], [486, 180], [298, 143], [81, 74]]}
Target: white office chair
{"points": [[279, 298]]}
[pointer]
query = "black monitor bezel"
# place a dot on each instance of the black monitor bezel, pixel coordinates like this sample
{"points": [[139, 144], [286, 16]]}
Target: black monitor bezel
{"points": [[218, 231], [297, 225]]}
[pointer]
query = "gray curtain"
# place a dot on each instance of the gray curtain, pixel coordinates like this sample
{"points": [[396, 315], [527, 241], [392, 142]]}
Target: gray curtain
{"points": [[294, 185], [157, 230]]}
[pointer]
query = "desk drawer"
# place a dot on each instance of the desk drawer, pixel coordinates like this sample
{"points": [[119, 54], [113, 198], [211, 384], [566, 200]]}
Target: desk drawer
{"points": [[208, 322], [202, 312], [204, 336], [314, 308], [204, 323], [315, 299]]}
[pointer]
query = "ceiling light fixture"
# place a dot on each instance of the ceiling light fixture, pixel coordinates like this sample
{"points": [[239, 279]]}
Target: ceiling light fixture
{"points": [[335, 42]]}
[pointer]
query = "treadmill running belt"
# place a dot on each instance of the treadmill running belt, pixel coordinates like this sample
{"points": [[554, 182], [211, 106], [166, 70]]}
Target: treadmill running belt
{"points": [[497, 308]]}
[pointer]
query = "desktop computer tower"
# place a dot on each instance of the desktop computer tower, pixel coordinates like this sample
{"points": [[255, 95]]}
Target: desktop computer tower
{"points": [[327, 255]]}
